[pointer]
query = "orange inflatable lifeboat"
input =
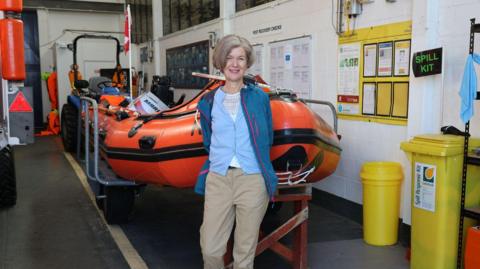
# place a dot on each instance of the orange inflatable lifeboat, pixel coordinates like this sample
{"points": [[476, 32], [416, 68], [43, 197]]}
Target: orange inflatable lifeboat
{"points": [[167, 149]]}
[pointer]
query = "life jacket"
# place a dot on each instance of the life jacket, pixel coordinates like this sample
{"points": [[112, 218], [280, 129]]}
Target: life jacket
{"points": [[52, 90], [53, 127], [118, 79]]}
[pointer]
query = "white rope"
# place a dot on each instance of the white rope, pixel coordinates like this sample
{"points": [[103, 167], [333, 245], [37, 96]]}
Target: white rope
{"points": [[288, 180], [196, 118]]}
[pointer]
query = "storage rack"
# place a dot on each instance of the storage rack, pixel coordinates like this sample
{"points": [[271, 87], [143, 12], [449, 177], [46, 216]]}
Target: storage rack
{"points": [[468, 159]]}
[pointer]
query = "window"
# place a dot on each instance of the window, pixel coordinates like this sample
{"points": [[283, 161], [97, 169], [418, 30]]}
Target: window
{"points": [[167, 24], [142, 22], [182, 61], [185, 11], [182, 14], [195, 6], [174, 16], [246, 4]]}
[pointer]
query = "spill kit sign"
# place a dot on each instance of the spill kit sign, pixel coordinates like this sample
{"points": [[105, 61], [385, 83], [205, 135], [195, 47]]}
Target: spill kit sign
{"points": [[428, 62], [425, 184]]}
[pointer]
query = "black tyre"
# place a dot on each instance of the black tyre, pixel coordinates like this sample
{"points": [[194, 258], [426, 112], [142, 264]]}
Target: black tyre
{"points": [[8, 186], [69, 127], [118, 204]]}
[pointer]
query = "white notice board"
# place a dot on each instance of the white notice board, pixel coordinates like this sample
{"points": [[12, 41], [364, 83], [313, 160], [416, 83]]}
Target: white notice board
{"points": [[348, 69], [291, 65]]}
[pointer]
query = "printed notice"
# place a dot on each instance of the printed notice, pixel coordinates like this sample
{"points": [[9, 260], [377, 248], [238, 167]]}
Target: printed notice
{"points": [[385, 59], [257, 67], [368, 107], [348, 109], [290, 65], [402, 58], [287, 57], [348, 69], [274, 52], [369, 60], [425, 185]]}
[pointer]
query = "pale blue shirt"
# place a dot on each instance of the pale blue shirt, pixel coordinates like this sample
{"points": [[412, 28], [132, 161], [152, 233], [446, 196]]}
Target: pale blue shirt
{"points": [[230, 139]]}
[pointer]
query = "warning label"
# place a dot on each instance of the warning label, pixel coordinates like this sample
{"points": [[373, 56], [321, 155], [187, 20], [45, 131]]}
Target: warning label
{"points": [[20, 104], [425, 186]]}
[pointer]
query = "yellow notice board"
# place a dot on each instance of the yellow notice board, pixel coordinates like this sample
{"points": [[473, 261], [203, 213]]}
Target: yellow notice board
{"points": [[373, 73]]}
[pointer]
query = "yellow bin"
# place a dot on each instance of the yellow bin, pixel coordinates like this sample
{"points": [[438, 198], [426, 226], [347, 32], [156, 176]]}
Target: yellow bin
{"points": [[436, 171], [381, 202]]}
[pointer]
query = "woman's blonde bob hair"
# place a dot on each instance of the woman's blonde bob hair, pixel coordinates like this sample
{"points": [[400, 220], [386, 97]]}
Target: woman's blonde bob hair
{"points": [[225, 46]]}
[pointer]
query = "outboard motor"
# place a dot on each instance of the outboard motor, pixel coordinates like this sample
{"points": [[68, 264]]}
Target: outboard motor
{"points": [[161, 88]]}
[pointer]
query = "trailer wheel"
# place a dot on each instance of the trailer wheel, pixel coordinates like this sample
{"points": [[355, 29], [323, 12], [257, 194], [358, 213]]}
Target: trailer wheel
{"points": [[118, 204], [8, 186], [69, 127]]}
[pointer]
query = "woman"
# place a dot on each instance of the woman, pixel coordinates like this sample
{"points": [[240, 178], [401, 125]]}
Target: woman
{"points": [[238, 178]]}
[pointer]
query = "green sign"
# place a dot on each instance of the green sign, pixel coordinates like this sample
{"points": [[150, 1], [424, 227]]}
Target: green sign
{"points": [[428, 62]]}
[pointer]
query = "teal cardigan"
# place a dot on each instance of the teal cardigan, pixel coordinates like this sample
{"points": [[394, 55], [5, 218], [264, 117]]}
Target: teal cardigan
{"points": [[255, 105]]}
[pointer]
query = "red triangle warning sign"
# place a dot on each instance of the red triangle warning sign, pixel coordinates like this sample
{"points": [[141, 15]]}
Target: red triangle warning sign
{"points": [[20, 104]]}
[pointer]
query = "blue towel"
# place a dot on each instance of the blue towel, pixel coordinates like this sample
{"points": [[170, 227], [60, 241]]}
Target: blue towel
{"points": [[468, 90]]}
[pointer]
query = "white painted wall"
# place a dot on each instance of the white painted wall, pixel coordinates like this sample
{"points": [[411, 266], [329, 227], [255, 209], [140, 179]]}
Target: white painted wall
{"points": [[361, 141], [52, 26], [454, 30], [433, 101]]}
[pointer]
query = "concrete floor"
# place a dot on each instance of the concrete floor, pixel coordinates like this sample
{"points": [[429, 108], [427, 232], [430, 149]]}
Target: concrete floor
{"points": [[55, 225]]}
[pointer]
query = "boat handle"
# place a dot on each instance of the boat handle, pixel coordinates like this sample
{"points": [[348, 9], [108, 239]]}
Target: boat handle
{"points": [[330, 105]]}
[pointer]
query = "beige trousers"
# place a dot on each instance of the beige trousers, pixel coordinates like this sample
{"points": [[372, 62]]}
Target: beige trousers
{"points": [[239, 198]]}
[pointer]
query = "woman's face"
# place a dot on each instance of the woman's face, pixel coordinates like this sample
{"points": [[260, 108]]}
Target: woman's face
{"points": [[236, 65]]}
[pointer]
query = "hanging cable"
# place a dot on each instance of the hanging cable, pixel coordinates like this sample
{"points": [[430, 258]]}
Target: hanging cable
{"points": [[77, 31]]}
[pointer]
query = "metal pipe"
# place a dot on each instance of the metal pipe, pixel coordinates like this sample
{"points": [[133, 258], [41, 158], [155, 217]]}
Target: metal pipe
{"points": [[96, 176], [330, 105], [79, 131], [340, 16], [290, 38], [84, 106]]}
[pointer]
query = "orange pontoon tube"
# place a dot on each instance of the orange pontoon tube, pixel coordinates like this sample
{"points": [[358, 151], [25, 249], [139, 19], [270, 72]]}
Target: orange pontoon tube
{"points": [[167, 149]]}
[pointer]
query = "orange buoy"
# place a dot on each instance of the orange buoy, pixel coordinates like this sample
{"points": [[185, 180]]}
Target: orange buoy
{"points": [[11, 44], [11, 5]]}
